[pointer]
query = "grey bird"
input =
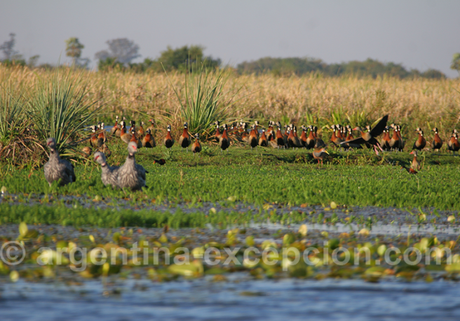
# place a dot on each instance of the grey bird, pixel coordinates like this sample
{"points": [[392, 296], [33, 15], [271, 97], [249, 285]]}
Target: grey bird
{"points": [[109, 175], [130, 174], [57, 169]]}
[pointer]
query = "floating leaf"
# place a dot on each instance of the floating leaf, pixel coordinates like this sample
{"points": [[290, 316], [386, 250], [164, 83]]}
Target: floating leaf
{"points": [[303, 230], [23, 229]]}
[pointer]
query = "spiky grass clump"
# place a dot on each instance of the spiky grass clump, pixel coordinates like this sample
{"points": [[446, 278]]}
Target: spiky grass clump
{"points": [[203, 102], [58, 108]]}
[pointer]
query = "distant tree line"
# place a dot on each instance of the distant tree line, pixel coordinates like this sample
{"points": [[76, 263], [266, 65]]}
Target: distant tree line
{"points": [[121, 52], [300, 66]]}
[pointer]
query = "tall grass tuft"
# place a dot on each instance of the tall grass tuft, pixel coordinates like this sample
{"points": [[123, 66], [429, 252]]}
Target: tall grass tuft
{"points": [[202, 102], [59, 108], [13, 120]]}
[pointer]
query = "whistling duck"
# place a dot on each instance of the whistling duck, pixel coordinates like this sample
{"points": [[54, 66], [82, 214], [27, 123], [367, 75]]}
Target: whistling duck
{"points": [[263, 141], [130, 174], [334, 139], [109, 174], [169, 141], [159, 161], [116, 127], [386, 139], [453, 143], [319, 153], [252, 139], [101, 137], [224, 142], [93, 139], [296, 138], [57, 169], [196, 147], [437, 141], [218, 134], [415, 165], [318, 141], [244, 133], [184, 140], [102, 147], [148, 140], [141, 132], [303, 137], [370, 136], [310, 142], [291, 143], [270, 131], [279, 136], [395, 141], [124, 134], [134, 138], [420, 143]]}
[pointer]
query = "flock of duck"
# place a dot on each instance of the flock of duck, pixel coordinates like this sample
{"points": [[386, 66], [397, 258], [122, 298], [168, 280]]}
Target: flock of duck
{"points": [[132, 175]]}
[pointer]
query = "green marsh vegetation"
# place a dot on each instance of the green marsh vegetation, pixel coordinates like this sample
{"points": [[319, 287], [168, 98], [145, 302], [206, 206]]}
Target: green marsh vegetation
{"points": [[63, 102]]}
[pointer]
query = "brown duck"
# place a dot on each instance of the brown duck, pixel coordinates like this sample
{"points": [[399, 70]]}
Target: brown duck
{"points": [[369, 137]]}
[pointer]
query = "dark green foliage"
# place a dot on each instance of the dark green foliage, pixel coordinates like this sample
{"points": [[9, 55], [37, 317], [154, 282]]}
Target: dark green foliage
{"points": [[299, 66]]}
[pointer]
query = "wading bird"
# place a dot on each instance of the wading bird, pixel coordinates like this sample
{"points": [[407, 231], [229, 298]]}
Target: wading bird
{"points": [[109, 174], [57, 169], [131, 174]]}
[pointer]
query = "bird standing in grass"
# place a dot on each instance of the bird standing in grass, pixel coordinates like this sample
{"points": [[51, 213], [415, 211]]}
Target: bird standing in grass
{"points": [[109, 174], [184, 140], [263, 141], [57, 169], [101, 137], [437, 141], [124, 135], [279, 136], [453, 143], [168, 141], [415, 165], [319, 153], [93, 139], [420, 143], [116, 128], [131, 174], [253, 139], [224, 142], [196, 147], [369, 137], [148, 140]]}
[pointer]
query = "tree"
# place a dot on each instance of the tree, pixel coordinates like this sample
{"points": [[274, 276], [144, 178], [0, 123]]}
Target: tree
{"points": [[455, 65], [122, 49], [185, 57], [8, 49], [73, 49]]}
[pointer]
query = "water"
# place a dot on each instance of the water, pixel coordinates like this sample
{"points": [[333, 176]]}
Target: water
{"points": [[247, 300]]}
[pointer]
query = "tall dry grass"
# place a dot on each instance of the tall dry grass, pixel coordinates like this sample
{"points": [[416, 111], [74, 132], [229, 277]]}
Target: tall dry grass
{"points": [[412, 103]]}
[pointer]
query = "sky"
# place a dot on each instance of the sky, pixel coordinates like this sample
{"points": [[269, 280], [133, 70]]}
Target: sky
{"points": [[418, 34]]}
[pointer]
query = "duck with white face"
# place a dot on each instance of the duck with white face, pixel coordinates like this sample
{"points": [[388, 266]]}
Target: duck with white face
{"points": [[437, 141], [168, 141], [184, 140], [196, 147], [57, 169]]}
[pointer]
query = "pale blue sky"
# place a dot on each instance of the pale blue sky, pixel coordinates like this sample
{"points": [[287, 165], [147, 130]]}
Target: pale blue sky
{"points": [[418, 34]]}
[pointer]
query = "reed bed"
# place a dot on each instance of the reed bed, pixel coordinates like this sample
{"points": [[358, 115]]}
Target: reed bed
{"points": [[303, 100]]}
